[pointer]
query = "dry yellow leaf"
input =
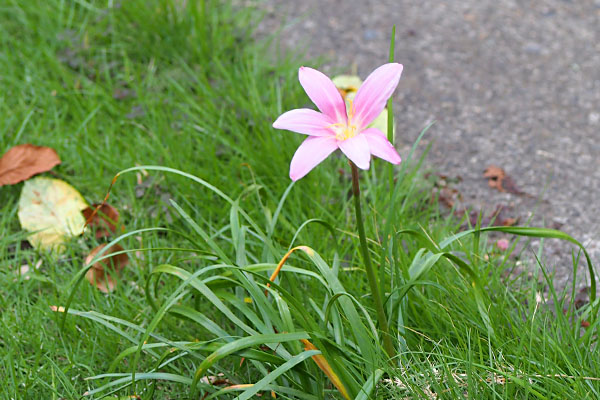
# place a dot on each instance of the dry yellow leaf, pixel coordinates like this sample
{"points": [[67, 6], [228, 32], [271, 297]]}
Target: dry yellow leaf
{"points": [[52, 209]]}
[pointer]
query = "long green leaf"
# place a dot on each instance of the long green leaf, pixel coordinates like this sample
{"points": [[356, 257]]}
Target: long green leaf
{"points": [[240, 344]]}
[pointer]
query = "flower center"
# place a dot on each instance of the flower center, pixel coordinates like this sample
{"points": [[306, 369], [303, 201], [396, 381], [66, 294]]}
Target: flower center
{"points": [[344, 131]]}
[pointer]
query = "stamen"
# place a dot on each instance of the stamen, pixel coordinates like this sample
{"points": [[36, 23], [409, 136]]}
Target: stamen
{"points": [[344, 131]]}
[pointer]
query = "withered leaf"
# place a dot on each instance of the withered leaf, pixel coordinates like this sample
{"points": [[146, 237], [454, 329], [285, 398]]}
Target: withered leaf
{"points": [[498, 179], [495, 176], [508, 221], [102, 274], [104, 221], [23, 161], [51, 209]]}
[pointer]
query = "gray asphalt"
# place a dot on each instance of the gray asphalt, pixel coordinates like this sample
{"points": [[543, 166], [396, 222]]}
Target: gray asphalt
{"points": [[510, 83]]}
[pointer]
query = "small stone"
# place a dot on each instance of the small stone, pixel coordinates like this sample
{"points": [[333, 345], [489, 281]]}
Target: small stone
{"points": [[532, 48], [594, 118], [370, 34]]}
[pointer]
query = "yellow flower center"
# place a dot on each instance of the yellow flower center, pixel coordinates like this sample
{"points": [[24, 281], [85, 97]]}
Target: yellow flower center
{"points": [[344, 131]]}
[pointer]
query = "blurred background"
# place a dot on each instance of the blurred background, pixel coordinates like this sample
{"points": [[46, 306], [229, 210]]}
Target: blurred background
{"points": [[512, 84]]}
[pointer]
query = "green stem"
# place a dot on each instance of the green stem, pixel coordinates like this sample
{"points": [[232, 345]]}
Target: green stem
{"points": [[372, 277], [390, 111]]}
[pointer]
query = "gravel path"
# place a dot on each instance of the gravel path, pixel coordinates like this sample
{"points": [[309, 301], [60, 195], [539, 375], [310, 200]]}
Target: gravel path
{"points": [[510, 83]]}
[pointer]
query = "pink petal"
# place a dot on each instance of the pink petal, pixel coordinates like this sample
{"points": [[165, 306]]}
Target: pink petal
{"points": [[323, 93], [303, 120], [310, 153], [380, 146], [357, 150], [374, 92]]}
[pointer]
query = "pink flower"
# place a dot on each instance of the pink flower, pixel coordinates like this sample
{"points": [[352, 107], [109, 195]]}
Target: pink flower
{"points": [[335, 126]]}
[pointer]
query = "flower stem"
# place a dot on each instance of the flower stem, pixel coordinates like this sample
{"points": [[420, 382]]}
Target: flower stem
{"points": [[372, 277]]}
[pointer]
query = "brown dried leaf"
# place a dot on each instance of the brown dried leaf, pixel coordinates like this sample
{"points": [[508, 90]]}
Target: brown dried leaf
{"points": [[508, 221], [102, 272], [495, 176], [25, 160], [497, 179], [104, 221]]}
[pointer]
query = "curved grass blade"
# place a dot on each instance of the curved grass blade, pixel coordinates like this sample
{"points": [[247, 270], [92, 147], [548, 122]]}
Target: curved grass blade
{"points": [[369, 386], [241, 344], [208, 186], [76, 281], [534, 232], [126, 379], [308, 222], [264, 382]]}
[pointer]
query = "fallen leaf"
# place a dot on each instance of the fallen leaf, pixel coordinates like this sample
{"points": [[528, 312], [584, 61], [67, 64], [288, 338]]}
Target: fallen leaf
{"points": [[102, 272], [104, 221], [497, 179], [508, 221], [495, 176], [381, 122], [52, 209], [23, 161]]}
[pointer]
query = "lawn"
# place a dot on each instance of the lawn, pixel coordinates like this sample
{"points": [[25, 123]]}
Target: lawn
{"points": [[182, 96]]}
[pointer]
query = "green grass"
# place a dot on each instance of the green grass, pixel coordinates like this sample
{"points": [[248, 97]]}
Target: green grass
{"points": [[202, 95]]}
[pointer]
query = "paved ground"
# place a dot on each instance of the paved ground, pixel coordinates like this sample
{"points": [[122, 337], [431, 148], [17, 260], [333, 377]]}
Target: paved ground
{"points": [[511, 83]]}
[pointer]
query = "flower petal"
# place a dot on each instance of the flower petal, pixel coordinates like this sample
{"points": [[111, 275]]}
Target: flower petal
{"points": [[380, 146], [306, 121], [310, 153], [323, 93], [357, 150], [372, 95]]}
